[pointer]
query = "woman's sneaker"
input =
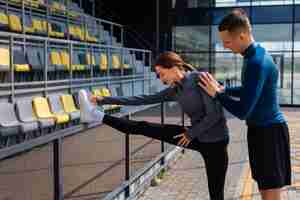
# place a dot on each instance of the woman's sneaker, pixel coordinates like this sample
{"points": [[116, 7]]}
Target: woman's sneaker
{"points": [[89, 112]]}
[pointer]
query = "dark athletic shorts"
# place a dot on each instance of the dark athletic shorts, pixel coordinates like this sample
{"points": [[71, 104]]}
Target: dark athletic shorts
{"points": [[269, 155]]}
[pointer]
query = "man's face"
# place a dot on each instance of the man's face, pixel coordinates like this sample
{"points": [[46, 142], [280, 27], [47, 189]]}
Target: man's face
{"points": [[232, 41]]}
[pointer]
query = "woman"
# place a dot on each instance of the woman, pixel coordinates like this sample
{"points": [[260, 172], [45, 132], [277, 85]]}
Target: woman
{"points": [[208, 133]]}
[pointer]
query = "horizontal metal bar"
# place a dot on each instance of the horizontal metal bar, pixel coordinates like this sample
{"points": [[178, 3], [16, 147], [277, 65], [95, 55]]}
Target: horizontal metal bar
{"points": [[63, 41], [27, 145]]}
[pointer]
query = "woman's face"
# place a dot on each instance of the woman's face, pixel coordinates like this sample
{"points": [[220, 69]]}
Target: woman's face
{"points": [[167, 76]]}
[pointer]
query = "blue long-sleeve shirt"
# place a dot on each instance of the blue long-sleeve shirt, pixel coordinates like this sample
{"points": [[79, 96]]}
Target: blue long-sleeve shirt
{"points": [[258, 103], [206, 113]]}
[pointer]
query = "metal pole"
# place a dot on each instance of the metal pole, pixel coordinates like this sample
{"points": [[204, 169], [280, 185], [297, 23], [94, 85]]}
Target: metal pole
{"points": [[127, 160], [162, 115], [293, 53], [58, 178], [157, 27]]}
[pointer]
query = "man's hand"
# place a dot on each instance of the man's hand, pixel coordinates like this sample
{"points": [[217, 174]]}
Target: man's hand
{"points": [[184, 141], [209, 84]]}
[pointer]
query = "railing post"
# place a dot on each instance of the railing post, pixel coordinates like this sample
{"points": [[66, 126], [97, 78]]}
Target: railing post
{"points": [[183, 124], [127, 161], [57, 170], [162, 118]]}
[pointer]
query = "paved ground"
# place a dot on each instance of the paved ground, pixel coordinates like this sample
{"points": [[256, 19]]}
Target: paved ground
{"points": [[186, 179]]}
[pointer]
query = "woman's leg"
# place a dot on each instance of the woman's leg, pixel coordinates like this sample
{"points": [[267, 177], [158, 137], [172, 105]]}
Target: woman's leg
{"points": [[216, 161], [163, 132]]}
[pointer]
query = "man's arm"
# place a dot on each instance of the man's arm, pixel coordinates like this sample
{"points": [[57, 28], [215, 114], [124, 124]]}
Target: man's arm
{"points": [[233, 91], [255, 78]]}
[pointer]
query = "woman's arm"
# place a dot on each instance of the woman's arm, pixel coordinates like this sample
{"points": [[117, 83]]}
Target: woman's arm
{"points": [[164, 95]]}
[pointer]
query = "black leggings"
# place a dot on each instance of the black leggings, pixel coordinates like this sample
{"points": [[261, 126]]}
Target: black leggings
{"points": [[214, 154]]}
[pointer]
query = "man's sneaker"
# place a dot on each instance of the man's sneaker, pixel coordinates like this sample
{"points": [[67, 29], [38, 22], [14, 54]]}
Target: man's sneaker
{"points": [[88, 111]]}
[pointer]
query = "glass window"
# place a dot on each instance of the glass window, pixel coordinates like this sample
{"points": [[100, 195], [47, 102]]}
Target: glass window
{"points": [[191, 38]]}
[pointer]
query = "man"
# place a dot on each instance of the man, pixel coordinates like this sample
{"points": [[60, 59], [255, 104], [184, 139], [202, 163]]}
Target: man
{"points": [[268, 137]]}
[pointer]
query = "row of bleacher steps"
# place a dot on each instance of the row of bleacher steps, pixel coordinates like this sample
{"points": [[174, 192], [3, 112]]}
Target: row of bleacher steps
{"points": [[50, 50], [78, 27], [33, 117], [30, 66]]}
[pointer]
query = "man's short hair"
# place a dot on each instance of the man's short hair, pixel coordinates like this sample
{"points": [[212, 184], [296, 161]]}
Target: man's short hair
{"points": [[235, 22]]}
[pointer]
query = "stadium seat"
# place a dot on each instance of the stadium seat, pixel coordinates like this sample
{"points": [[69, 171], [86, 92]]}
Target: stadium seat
{"points": [[38, 27], [35, 63], [105, 92], [72, 33], [65, 60], [139, 67], [21, 66], [90, 38], [83, 61], [107, 38], [15, 24], [69, 106], [103, 62], [4, 63], [26, 114], [9, 124], [57, 108], [77, 67], [127, 64], [57, 7], [56, 30], [57, 69], [42, 111], [4, 25], [115, 64]]}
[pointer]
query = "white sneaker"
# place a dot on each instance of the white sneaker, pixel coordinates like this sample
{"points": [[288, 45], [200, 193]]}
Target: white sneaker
{"points": [[88, 112]]}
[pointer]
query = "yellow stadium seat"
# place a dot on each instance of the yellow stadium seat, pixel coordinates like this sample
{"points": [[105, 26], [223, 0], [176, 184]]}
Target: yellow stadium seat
{"points": [[22, 68], [4, 59], [68, 103], [38, 26], [55, 58], [116, 64], [79, 33], [90, 38], [14, 23], [16, 1], [65, 59], [90, 59], [3, 21], [29, 30], [103, 62], [32, 3], [96, 92], [20, 63], [42, 110], [105, 92]]}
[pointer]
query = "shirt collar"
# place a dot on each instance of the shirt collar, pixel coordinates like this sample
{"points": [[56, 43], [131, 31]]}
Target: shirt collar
{"points": [[250, 50]]}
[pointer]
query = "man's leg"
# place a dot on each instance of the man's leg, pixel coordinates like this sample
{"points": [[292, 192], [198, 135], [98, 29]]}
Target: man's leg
{"points": [[272, 194], [269, 156]]}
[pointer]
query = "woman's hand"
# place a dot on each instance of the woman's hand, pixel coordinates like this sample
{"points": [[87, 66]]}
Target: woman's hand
{"points": [[94, 99], [184, 141], [209, 84]]}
